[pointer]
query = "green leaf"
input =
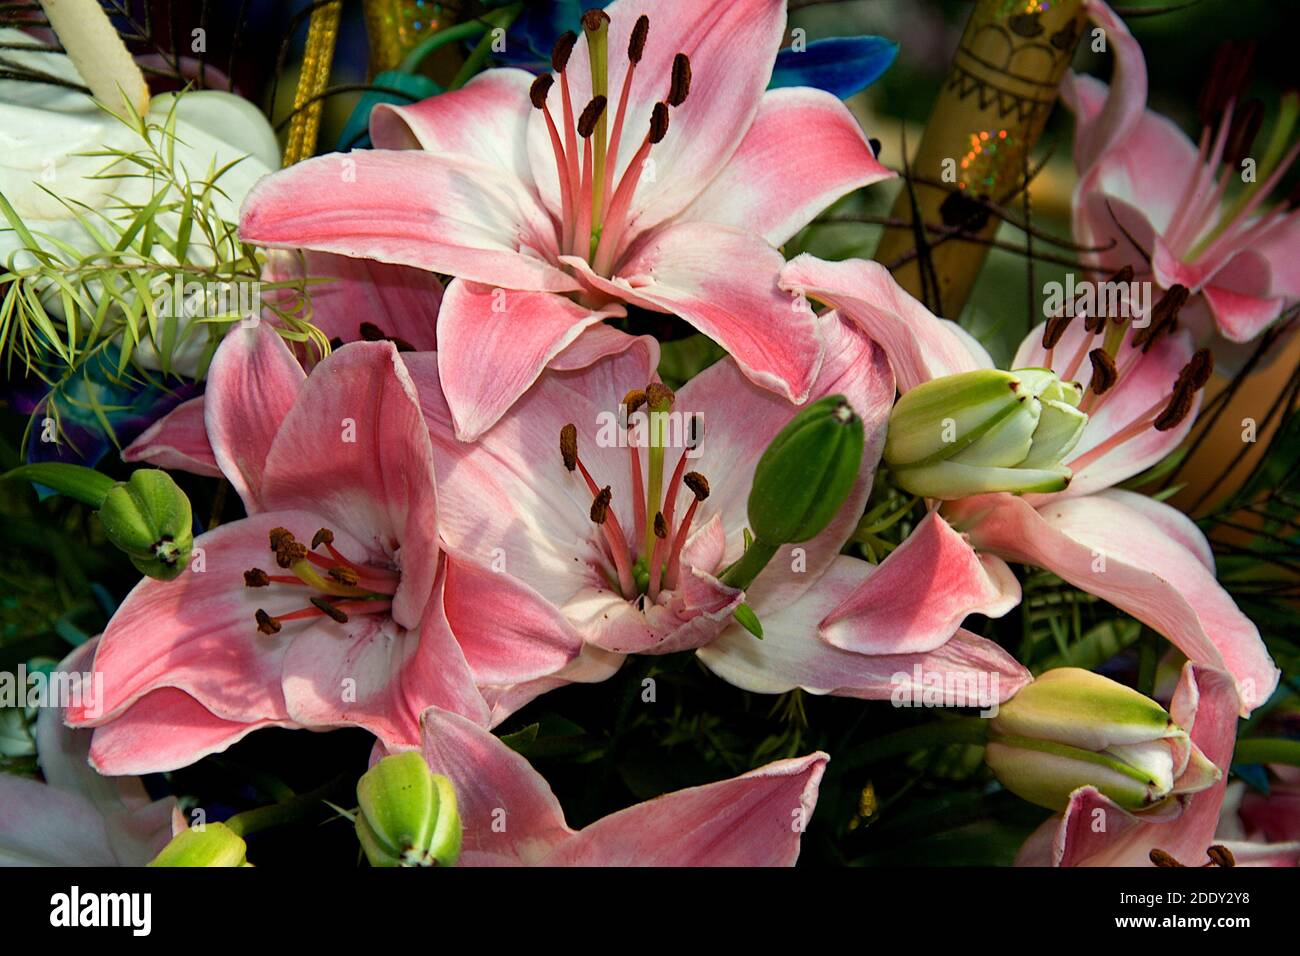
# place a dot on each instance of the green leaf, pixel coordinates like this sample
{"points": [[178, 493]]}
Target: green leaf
{"points": [[747, 619]]}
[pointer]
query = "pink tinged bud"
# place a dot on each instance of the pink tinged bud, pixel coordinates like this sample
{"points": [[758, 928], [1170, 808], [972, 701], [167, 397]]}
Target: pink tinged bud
{"points": [[1071, 728]]}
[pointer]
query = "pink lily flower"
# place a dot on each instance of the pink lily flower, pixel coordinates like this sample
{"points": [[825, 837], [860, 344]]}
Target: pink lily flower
{"points": [[76, 817], [349, 625], [565, 521], [1205, 703], [1164, 202], [1141, 555], [554, 203], [756, 819]]}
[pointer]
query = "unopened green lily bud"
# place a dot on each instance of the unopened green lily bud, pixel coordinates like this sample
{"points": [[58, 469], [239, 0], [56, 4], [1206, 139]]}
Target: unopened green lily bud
{"points": [[801, 481], [213, 845], [149, 518], [408, 814], [1072, 728], [982, 431]]}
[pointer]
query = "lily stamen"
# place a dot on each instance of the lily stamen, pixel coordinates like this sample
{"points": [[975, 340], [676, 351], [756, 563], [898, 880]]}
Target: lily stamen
{"points": [[345, 586], [1163, 415], [699, 486]]}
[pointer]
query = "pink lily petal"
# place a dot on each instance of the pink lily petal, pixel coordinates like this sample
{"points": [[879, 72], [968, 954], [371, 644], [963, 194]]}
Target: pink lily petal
{"points": [[919, 345], [1239, 293], [355, 452], [920, 593], [485, 121], [600, 342], [197, 634], [509, 814], [1206, 705], [402, 301], [755, 819], [1144, 385], [1148, 572], [804, 151], [740, 421], [380, 676], [1149, 174], [252, 383], [771, 335], [178, 442], [790, 654], [511, 817], [165, 730], [520, 331], [508, 632], [1101, 125], [732, 48], [436, 212]]}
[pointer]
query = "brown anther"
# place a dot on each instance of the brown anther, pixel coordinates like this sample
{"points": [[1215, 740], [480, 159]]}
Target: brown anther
{"points": [[1161, 858], [562, 50], [1246, 123], [1225, 79], [1197, 371], [323, 536], [569, 446], [1104, 373], [329, 610], [372, 333], [634, 400], [256, 578], [594, 19], [636, 42], [278, 536], [540, 90], [1220, 855], [1094, 323], [344, 576], [590, 115], [1180, 404], [875, 147], [289, 553], [681, 84], [659, 396], [698, 484], [661, 525], [658, 123], [1054, 329], [600, 505], [265, 623], [1163, 318]]}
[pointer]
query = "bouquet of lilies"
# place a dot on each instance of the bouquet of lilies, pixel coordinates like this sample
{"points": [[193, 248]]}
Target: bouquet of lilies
{"points": [[540, 452]]}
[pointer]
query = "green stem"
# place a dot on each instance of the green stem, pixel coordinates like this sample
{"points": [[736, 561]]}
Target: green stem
{"points": [[937, 733], [290, 810], [1267, 750], [75, 481], [461, 31], [497, 19], [755, 559]]}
